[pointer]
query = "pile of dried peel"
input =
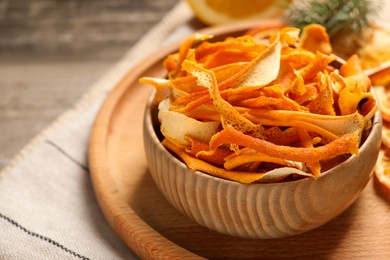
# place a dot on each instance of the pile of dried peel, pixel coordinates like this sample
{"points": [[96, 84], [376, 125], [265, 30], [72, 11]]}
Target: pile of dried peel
{"points": [[252, 109]]}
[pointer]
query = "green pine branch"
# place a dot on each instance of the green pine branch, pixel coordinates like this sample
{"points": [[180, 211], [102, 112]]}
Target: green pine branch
{"points": [[336, 15]]}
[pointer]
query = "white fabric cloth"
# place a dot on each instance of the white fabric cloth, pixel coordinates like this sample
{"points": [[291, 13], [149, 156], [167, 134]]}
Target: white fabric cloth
{"points": [[48, 208]]}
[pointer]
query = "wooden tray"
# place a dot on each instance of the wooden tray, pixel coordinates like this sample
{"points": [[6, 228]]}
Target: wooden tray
{"points": [[153, 229]]}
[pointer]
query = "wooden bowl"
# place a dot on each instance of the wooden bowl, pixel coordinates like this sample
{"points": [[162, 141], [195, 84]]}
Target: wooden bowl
{"points": [[258, 210]]}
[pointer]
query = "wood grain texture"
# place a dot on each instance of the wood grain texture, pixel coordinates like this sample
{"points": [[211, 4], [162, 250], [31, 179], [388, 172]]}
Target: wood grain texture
{"points": [[154, 229], [84, 27], [51, 52]]}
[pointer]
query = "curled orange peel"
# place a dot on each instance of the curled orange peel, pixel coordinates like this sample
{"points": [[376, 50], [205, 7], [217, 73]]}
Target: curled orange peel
{"points": [[247, 155], [315, 38], [331, 127], [348, 143]]}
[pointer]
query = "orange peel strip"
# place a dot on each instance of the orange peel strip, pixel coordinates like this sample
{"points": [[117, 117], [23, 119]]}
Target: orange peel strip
{"points": [[297, 58], [177, 127], [315, 39], [172, 62], [245, 157], [319, 64], [217, 158], [323, 103], [328, 126], [349, 143], [315, 167], [354, 93], [196, 164], [265, 67], [204, 51], [200, 165], [351, 67]]}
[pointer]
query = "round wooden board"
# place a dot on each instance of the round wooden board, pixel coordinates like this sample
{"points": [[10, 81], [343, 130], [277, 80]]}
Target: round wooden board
{"points": [[153, 229]]}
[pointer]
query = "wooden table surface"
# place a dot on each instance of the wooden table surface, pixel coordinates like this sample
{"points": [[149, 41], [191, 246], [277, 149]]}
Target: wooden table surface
{"points": [[52, 51]]}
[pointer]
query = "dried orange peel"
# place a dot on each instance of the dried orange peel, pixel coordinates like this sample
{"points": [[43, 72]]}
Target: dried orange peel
{"points": [[250, 109], [382, 172], [382, 169]]}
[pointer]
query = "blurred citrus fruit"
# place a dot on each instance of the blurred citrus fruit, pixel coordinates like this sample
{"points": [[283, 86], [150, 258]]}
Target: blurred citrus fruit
{"points": [[214, 12], [382, 170], [386, 135]]}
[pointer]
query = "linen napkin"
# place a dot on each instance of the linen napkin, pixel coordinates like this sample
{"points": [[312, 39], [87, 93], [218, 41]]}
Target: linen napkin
{"points": [[48, 209]]}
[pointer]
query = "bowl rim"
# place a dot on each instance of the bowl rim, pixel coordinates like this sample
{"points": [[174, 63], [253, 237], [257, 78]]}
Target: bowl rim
{"points": [[151, 105]]}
